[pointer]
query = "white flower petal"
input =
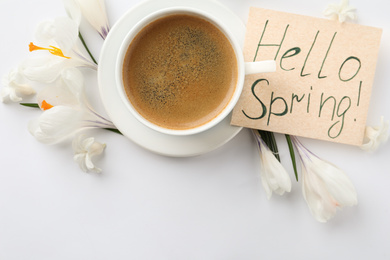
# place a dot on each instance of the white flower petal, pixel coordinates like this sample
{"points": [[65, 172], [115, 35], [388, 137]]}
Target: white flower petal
{"points": [[95, 13], [80, 60], [88, 162], [80, 159], [96, 148], [68, 33], [13, 96], [77, 144], [24, 89], [322, 206], [56, 95], [45, 33], [68, 92], [331, 10], [273, 175], [63, 31], [56, 124], [5, 93], [85, 148], [73, 10], [74, 80], [14, 85], [87, 143], [48, 68], [342, 18], [325, 187], [342, 11], [67, 111], [337, 182], [44, 69], [375, 136]]}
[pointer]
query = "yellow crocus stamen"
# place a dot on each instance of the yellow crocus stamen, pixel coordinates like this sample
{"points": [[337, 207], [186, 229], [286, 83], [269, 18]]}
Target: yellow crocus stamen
{"points": [[45, 105], [53, 50]]}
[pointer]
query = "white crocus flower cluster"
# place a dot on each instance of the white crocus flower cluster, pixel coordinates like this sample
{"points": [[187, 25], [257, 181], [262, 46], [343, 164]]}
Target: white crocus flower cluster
{"points": [[54, 62], [85, 148], [374, 136], [66, 110], [15, 86], [273, 176], [325, 187], [342, 11], [59, 39], [93, 10]]}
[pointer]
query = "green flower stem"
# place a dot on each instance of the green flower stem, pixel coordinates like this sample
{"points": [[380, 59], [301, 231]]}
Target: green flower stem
{"points": [[35, 105], [292, 155], [86, 47], [113, 130]]}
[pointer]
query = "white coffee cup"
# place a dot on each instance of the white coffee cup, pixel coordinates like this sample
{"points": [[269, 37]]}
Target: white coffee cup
{"points": [[243, 68]]}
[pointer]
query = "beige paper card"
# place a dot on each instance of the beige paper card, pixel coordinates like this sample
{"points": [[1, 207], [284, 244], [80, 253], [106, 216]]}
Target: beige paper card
{"points": [[322, 86]]}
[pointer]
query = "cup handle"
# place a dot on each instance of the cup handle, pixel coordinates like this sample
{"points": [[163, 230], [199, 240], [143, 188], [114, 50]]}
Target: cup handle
{"points": [[260, 66]]}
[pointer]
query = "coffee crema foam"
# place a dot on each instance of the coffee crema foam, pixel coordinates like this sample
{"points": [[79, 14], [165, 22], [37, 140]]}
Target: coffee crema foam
{"points": [[180, 72]]}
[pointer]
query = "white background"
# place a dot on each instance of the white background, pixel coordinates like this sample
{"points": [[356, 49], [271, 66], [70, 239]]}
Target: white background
{"points": [[147, 206]]}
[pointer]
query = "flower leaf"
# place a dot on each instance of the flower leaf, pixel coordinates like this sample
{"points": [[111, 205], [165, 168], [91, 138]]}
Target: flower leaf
{"points": [[35, 105], [292, 155]]}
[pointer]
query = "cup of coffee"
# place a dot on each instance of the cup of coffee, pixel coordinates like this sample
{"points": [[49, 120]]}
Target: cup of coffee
{"points": [[180, 71]]}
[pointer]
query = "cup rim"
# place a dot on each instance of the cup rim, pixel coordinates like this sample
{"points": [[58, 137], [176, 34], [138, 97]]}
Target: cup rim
{"points": [[167, 12]]}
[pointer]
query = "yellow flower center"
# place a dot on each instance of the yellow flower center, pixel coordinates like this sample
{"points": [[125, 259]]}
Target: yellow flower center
{"points": [[53, 50], [45, 105]]}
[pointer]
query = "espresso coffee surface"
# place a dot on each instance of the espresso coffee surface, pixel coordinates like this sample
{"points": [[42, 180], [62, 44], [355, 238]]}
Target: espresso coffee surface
{"points": [[180, 72]]}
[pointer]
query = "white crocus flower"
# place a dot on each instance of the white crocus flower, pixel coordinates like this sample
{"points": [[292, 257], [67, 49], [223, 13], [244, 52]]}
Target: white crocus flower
{"points": [[273, 175], [85, 148], [14, 85], [325, 187], [342, 11], [60, 39], [93, 10], [374, 136], [66, 110]]}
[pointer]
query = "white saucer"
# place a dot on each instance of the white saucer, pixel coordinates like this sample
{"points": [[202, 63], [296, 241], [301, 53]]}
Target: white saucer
{"points": [[177, 146]]}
